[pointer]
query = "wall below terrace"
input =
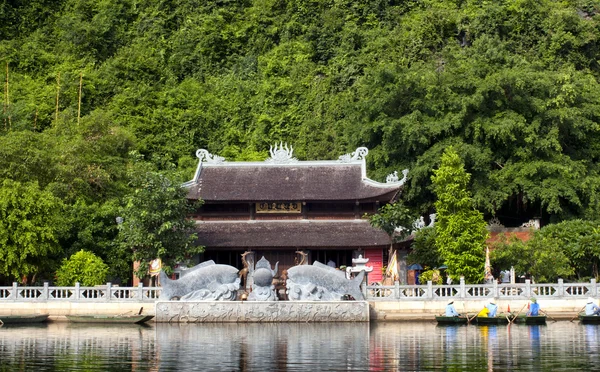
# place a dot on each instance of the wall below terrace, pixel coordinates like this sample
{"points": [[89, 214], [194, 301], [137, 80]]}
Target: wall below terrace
{"points": [[379, 310], [564, 309], [58, 309]]}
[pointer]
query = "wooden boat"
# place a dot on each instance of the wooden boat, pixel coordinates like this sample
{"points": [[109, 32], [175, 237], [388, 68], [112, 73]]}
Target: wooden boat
{"points": [[524, 319], [484, 320], [452, 320], [589, 319], [23, 319], [102, 318]]}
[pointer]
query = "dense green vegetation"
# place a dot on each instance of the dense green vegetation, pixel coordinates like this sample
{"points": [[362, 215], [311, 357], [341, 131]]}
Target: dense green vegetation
{"points": [[512, 85], [154, 223], [460, 230], [84, 268], [570, 249]]}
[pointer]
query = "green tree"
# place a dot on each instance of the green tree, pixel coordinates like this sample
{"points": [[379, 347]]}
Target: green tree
{"points": [[82, 267], [32, 222], [424, 249], [93, 228], [579, 241], [431, 275], [514, 86], [542, 258], [154, 222], [460, 229], [395, 219]]}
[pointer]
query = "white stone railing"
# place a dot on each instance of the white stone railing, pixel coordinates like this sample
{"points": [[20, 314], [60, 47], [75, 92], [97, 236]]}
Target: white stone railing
{"points": [[463, 291], [396, 292], [78, 293]]}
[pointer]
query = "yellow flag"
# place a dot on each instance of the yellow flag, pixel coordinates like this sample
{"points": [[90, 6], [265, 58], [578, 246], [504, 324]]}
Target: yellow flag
{"points": [[392, 268]]}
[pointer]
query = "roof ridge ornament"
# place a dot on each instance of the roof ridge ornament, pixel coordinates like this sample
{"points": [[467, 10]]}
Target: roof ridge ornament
{"points": [[207, 157], [281, 154], [393, 177], [432, 219], [495, 222], [359, 154]]}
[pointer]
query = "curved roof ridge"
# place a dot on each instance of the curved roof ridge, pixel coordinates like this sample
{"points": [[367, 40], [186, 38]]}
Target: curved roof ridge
{"points": [[283, 177]]}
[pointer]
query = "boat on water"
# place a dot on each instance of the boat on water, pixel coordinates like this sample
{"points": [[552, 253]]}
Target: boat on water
{"points": [[484, 320], [23, 319], [100, 318], [524, 319], [589, 319], [450, 320]]}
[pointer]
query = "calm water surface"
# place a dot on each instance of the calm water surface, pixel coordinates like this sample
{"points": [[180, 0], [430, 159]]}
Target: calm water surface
{"points": [[558, 346]]}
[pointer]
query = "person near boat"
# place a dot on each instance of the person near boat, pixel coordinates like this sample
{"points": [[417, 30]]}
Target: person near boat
{"points": [[591, 308], [534, 308], [484, 312], [493, 308], [451, 310]]}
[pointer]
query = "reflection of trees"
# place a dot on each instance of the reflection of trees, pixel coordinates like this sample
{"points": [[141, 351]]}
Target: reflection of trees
{"points": [[425, 346], [62, 347], [295, 346]]}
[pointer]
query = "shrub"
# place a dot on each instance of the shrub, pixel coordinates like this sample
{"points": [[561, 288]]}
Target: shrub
{"points": [[83, 267], [430, 275]]}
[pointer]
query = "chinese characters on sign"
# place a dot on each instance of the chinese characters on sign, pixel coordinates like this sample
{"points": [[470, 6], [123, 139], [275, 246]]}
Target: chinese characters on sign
{"points": [[293, 207]]}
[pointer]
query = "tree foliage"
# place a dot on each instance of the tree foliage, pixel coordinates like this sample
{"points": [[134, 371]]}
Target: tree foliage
{"points": [[512, 85], [541, 258], [569, 250], [424, 249], [32, 221], [154, 222], [580, 242], [460, 229], [82, 267], [395, 219]]}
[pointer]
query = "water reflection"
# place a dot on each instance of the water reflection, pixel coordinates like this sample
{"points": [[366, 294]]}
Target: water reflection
{"points": [[264, 346], [62, 346], [558, 346]]}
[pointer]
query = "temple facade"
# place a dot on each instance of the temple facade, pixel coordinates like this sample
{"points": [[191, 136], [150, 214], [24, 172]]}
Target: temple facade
{"points": [[284, 208]]}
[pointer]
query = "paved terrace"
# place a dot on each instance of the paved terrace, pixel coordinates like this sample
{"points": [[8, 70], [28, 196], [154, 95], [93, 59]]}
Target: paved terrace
{"points": [[387, 303]]}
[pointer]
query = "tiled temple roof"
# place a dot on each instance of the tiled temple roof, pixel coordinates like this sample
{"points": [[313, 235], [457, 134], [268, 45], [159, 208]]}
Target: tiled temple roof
{"points": [[296, 233], [284, 178]]}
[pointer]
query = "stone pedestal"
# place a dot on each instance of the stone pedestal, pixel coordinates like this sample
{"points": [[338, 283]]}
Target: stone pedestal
{"points": [[259, 311]]}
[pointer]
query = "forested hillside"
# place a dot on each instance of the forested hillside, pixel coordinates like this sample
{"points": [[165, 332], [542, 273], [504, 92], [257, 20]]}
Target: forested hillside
{"points": [[95, 89]]}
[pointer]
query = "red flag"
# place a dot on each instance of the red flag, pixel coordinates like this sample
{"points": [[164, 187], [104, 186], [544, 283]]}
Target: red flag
{"points": [[509, 308]]}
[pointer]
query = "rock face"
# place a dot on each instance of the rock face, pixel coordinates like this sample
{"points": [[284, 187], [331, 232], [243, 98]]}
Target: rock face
{"points": [[206, 281], [263, 288], [319, 282]]}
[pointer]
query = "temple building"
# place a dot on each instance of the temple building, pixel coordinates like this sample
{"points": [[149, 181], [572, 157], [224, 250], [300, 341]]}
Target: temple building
{"points": [[282, 206]]}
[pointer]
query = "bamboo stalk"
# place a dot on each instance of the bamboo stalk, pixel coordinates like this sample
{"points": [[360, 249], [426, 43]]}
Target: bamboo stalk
{"points": [[57, 95], [515, 317], [577, 314], [469, 320], [4, 104], [8, 98], [545, 313], [79, 104]]}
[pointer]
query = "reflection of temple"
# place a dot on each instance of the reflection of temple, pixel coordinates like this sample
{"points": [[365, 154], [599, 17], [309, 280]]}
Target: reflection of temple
{"points": [[282, 205]]}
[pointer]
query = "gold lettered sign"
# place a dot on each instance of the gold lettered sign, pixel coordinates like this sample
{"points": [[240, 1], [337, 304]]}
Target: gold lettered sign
{"points": [[267, 207]]}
